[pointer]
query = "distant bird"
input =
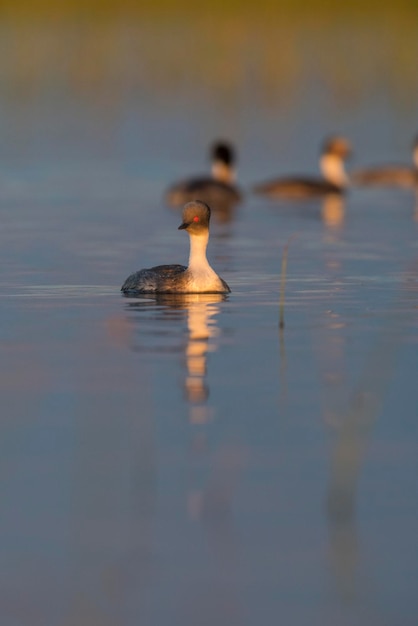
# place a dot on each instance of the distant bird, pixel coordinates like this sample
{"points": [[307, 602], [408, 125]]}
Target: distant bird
{"points": [[335, 151], [218, 189], [197, 277], [389, 175]]}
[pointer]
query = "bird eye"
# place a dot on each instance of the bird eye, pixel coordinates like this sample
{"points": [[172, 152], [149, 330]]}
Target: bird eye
{"points": [[195, 219]]}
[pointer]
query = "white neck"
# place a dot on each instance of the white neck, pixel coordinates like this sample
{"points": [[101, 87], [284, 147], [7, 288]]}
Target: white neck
{"points": [[197, 258], [332, 168], [223, 172]]}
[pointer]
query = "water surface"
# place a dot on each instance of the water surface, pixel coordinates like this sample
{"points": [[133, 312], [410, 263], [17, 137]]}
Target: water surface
{"points": [[180, 460]]}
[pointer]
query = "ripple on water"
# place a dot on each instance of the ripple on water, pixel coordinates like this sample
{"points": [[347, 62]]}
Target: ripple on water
{"points": [[53, 291]]}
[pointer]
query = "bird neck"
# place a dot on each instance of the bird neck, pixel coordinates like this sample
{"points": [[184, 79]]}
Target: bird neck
{"points": [[332, 168], [223, 172], [198, 245]]}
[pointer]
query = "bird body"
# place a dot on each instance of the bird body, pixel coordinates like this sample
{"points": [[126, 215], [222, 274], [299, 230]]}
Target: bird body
{"points": [[334, 178], [389, 175]]}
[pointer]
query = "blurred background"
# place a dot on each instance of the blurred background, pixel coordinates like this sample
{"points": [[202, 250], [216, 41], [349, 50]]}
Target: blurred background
{"points": [[79, 78]]}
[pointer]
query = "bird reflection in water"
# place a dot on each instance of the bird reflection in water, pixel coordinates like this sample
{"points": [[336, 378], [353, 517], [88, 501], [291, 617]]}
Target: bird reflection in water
{"points": [[201, 313], [331, 347], [330, 209], [353, 437], [200, 310], [212, 471], [333, 210]]}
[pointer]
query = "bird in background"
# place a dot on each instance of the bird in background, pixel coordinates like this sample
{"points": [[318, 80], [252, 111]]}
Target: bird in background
{"points": [[334, 180], [389, 175], [218, 189]]}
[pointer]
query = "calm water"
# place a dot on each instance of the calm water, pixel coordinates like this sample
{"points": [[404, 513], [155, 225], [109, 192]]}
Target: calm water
{"points": [[181, 461]]}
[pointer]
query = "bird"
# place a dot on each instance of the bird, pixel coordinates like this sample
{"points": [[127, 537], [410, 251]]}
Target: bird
{"points": [[197, 277], [217, 189], [389, 175], [335, 151]]}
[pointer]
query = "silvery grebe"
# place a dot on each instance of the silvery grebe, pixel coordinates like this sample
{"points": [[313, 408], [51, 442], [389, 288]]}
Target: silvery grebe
{"points": [[197, 277], [390, 175], [217, 189], [334, 152]]}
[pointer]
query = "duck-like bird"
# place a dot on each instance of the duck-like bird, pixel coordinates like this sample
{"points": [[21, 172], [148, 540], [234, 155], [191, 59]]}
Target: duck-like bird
{"points": [[197, 277], [389, 175], [218, 189], [334, 153]]}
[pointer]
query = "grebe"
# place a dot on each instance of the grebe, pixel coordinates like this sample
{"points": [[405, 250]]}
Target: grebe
{"points": [[390, 175], [217, 190], [334, 152], [198, 277]]}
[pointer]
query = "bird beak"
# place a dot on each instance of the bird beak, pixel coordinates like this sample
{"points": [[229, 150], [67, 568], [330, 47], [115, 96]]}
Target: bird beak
{"points": [[183, 226]]}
